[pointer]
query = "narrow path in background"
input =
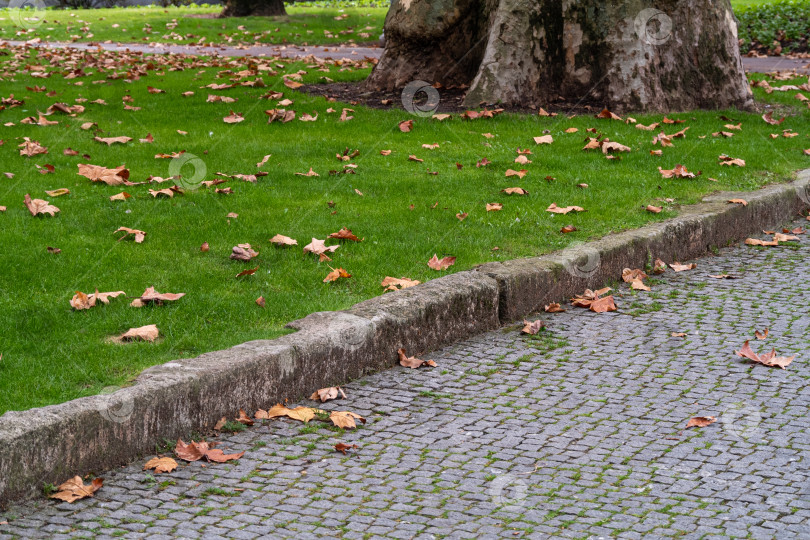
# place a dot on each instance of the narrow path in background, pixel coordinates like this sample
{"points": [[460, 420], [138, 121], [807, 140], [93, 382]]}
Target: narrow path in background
{"points": [[757, 65]]}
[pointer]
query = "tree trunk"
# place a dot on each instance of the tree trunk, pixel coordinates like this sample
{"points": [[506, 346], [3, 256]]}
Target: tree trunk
{"points": [[243, 8], [679, 55]]}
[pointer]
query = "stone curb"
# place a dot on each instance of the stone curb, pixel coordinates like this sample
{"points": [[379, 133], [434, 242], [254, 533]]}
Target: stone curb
{"points": [[93, 434]]}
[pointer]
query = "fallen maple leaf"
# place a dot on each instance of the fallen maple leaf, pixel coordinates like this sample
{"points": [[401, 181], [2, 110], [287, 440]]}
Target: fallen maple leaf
{"points": [[768, 359], [413, 362], [678, 172], [554, 308], [654, 209], [442, 264], [335, 274], [678, 334], [545, 139], [341, 447], [701, 421], [58, 192], [554, 209], [761, 335], [109, 141], [319, 247], [139, 235], [160, 465], [75, 489], [281, 240], [758, 242], [149, 333], [111, 177], [309, 173], [405, 126], [738, 201], [327, 394], [345, 419], [520, 174], [494, 207], [568, 229], [38, 206], [607, 115], [344, 234], [768, 117], [243, 252], [150, 295], [86, 301], [532, 327], [195, 451], [302, 414], [395, 284], [678, 267], [728, 161]]}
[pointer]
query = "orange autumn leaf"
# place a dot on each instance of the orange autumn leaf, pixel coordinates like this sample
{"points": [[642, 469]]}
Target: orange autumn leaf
{"points": [[160, 465], [336, 274], [39, 206], [75, 489], [701, 421], [396, 284], [413, 362], [441, 264]]}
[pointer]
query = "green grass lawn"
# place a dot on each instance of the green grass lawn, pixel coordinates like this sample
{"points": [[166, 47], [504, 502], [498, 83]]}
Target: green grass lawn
{"points": [[404, 215], [185, 25]]}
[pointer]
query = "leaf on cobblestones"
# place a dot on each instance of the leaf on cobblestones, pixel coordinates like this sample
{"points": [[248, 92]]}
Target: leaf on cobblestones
{"points": [[532, 327], [341, 447], [678, 267], [629, 276], [303, 414], [161, 465], [195, 451], [659, 266], [678, 334], [723, 276], [345, 419], [413, 362], [243, 418], [554, 308], [768, 359], [75, 489], [701, 421], [222, 421], [593, 300], [603, 305], [638, 285], [758, 242], [763, 334], [326, 394]]}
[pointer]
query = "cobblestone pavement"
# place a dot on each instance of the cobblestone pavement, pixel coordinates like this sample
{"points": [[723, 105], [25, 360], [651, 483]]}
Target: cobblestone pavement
{"points": [[577, 432]]}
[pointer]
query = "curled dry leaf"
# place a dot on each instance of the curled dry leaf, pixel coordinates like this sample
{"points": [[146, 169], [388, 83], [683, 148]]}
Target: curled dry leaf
{"points": [[768, 359], [738, 201], [195, 451], [441, 264], [341, 447], [58, 192], [701, 421], [413, 362], [281, 240], [248, 272], [120, 196], [111, 177], [109, 141], [302, 414], [761, 335], [345, 419], [327, 394], [532, 327], [233, 118], [406, 126], [722, 276], [261, 302], [138, 235], [594, 301], [607, 115], [629, 276], [319, 247], [515, 191], [678, 334], [769, 119], [243, 252], [520, 174], [545, 139], [336, 274], [654, 209], [461, 216], [758, 242], [729, 161], [494, 207], [554, 209], [39, 206], [344, 234], [568, 229], [243, 418], [308, 173], [659, 266], [554, 308], [75, 489], [678, 172], [86, 301], [395, 284], [151, 296], [149, 333], [160, 465], [678, 267]]}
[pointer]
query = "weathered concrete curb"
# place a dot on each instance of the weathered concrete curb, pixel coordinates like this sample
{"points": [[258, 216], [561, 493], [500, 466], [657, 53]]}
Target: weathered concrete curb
{"points": [[53, 443]]}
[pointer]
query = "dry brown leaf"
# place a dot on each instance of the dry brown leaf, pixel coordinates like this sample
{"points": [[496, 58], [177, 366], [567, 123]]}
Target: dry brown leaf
{"points": [[441, 264], [628, 275], [545, 139], [568, 229], [396, 284], [515, 191], [678, 334], [58, 192], [738, 201], [243, 418], [554, 209], [243, 252], [109, 141], [701, 421], [160, 465], [532, 327], [138, 235], [768, 359], [405, 126], [554, 308], [341, 447], [494, 207], [654, 209], [761, 335], [75, 489], [344, 234], [149, 333], [413, 362], [678, 172], [768, 117], [38, 206], [195, 451], [120, 196], [281, 240], [327, 394], [678, 267], [233, 118], [336, 274], [345, 419], [319, 247], [111, 177], [757, 242]]}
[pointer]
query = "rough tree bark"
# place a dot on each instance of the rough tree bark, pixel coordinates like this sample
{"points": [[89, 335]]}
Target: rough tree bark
{"points": [[644, 55], [243, 8]]}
